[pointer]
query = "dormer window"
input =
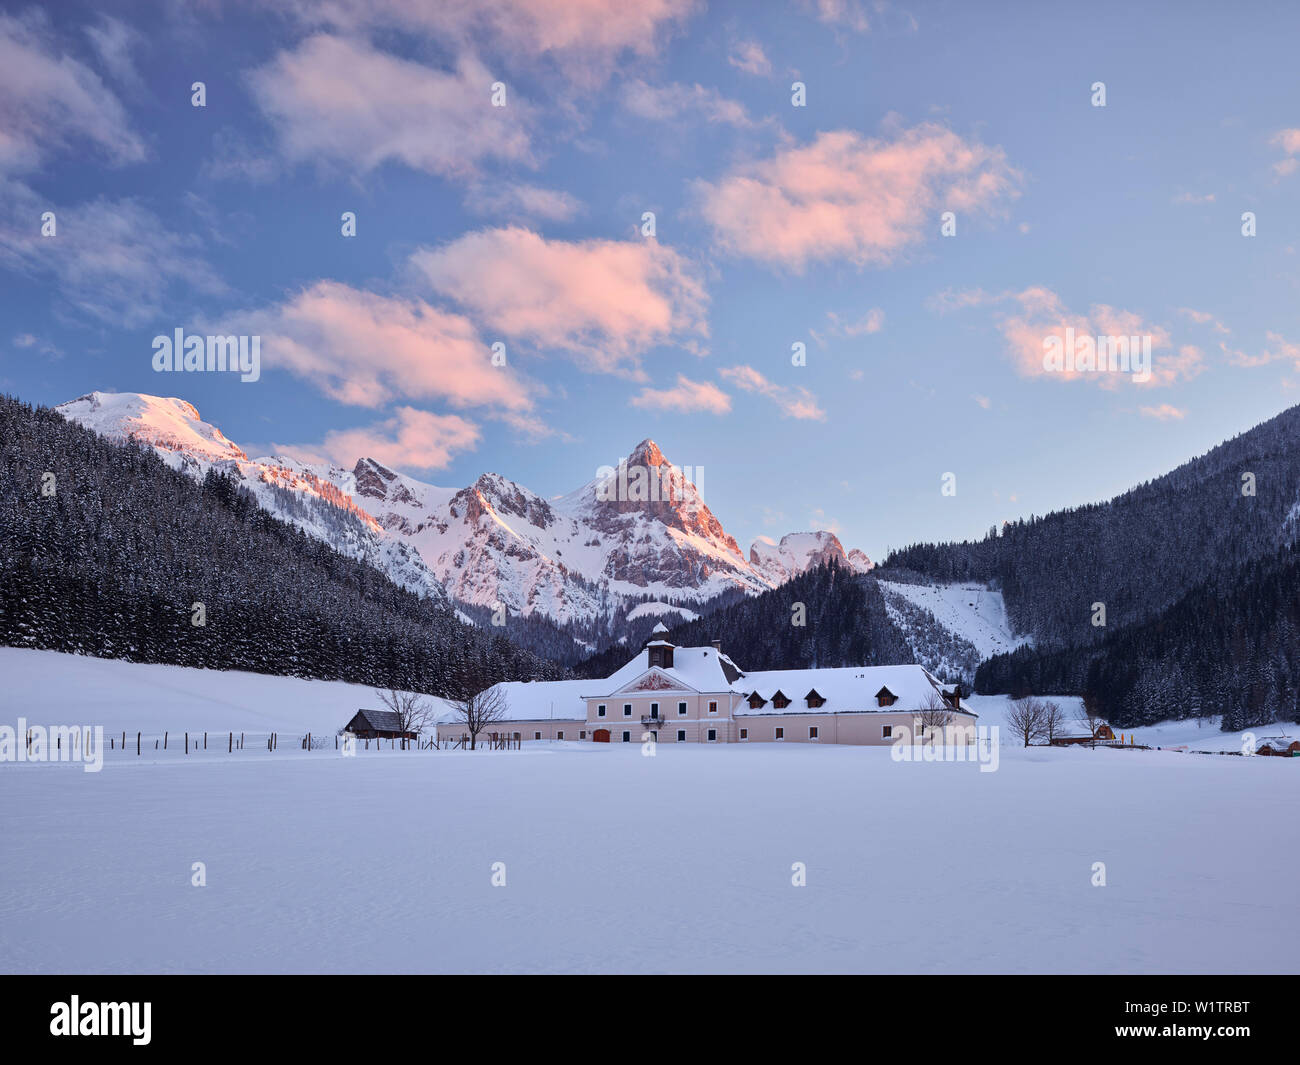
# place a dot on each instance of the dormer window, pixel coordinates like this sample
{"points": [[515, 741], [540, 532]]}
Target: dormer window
{"points": [[780, 700], [756, 701], [885, 697], [814, 700]]}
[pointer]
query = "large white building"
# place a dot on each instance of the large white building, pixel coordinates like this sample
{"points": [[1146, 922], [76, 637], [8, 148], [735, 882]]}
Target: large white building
{"points": [[699, 695]]}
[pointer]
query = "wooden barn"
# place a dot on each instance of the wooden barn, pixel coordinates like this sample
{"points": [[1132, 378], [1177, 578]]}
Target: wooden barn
{"points": [[377, 725], [1283, 747]]}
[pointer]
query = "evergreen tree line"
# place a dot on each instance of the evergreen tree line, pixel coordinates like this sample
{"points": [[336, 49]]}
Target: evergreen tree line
{"points": [[1137, 553], [844, 624], [1230, 647], [118, 555]]}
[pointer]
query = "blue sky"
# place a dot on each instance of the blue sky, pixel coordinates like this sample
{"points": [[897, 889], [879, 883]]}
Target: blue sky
{"points": [[774, 225]]}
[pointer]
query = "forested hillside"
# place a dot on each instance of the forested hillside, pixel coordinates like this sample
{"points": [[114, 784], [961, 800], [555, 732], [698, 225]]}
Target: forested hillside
{"points": [[1139, 552], [106, 551], [1230, 647]]}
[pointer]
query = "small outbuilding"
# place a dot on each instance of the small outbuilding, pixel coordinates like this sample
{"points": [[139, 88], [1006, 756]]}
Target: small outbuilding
{"points": [[1104, 732], [1279, 746], [378, 725]]}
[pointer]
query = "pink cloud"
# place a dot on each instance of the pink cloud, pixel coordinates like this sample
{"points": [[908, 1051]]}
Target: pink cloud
{"points": [[845, 196], [515, 200], [662, 103], [52, 102], [1163, 413], [793, 402], [366, 349], [685, 397], [1289, 141], [1279, 348], [871, 322], [410, 438], [344, 102], [585, 38], [749, 57], [603, 302], [1204, 318], [1042, 314]]}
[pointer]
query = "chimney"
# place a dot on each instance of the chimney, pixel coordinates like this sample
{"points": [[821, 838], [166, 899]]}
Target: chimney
{"points": [[717, 646]]}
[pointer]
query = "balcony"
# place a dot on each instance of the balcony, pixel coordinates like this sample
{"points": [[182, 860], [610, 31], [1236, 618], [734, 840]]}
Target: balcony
{"points": [[653, 720]]}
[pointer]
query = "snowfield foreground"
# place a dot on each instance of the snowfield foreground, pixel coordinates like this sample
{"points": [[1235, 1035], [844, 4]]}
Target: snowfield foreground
{"points": [[612, 861]]}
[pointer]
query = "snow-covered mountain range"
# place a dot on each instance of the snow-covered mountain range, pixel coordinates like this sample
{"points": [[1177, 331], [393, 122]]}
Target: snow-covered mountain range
{"points": [[576, 556]]}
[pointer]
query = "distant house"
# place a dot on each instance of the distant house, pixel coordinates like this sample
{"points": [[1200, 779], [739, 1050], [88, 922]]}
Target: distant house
{"points": [[1103, 733], [1280, 746], [377, 725]]}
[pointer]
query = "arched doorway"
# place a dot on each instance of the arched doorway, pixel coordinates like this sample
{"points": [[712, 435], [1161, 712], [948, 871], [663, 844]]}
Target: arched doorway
{"points": [[601, 735]]}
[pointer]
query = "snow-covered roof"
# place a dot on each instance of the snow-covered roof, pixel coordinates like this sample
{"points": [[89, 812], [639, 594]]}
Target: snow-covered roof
{"points": [[702, 669], [846, 690]]}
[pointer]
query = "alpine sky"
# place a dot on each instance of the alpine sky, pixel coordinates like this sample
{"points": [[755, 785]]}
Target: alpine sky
{"points": [[528, 226]]}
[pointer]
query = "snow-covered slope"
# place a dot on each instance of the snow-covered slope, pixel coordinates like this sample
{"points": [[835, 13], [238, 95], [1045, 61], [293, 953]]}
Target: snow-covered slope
{"points": [[492, 542], [973, 612], [801, 551], [290, 490]]}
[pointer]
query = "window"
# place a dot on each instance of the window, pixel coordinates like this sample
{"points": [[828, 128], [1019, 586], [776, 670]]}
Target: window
{"points": [[627, 737], [713, 734], [681, 709], [815, 699], [812, 732], [713, 708], [756, 701], [582, 735], [780, 733], [887, 731], [600, 710], [681, 735], [518, 736], [654, 709], [744, 734], [537, 735], [627, 709], [780, 701], [560, 735]]}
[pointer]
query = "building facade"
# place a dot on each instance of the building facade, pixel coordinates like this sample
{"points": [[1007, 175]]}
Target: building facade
{"points": [[673, 694]]}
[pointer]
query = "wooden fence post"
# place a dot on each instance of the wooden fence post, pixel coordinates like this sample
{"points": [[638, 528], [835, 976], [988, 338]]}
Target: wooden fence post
{"points": [[137, 745], [164, 741], [230, 742], [187, 743]]}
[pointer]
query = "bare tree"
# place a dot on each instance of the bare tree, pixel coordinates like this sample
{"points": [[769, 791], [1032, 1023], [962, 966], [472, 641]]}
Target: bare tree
{"points": [[934, 713], [1025, 719], [477, 698], [1053, 721], [414, 712], [1089, 715]]}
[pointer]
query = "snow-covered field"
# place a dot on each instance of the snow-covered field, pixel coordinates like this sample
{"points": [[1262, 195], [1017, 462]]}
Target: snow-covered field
{"points": [[614, 861], [972, 611]]}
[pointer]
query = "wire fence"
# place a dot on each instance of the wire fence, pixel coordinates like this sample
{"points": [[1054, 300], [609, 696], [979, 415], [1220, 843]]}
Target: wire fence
{"points": [[81, 742]]}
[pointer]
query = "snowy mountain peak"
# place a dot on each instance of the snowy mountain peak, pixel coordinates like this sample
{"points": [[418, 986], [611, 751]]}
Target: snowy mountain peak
{"points": [[168, 424], [801, 551], [638, 528]]}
